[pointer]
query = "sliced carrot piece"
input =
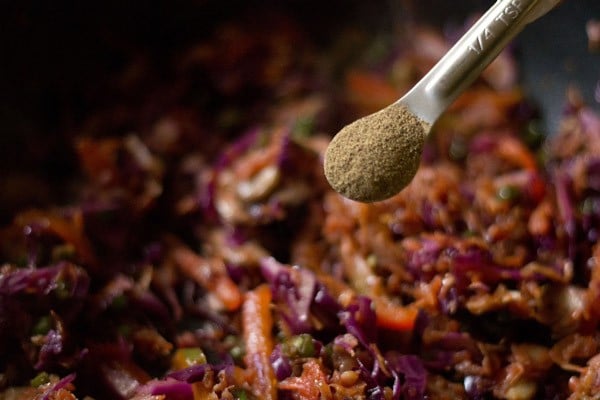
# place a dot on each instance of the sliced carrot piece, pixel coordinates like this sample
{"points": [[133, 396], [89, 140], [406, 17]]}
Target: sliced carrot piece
{"points": [[514, 151], [209, 274], [393, 316], [257, 324]]}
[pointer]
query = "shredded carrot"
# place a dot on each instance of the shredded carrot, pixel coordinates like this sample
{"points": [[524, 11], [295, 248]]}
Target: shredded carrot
{"points": [[370, 92], [311, 385], [210, 274], [393, 316], [64, 394], [501, 100], [513, 150], [228, 292], [256, 161], [70, 230], [364, 280], [257, 325], [201, 392], [540, 221]]}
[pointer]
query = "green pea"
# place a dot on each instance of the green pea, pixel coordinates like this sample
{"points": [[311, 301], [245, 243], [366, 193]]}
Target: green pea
{"points": [[509, 193], [40, 379], [300, 346], [240, 394]]}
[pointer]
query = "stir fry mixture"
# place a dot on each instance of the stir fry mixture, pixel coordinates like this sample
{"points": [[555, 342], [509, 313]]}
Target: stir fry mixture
{"points": [[203, 255]]}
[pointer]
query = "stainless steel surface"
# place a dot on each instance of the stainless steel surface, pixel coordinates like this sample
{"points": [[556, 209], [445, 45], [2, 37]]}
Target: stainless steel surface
{"points": [[471, 54]]}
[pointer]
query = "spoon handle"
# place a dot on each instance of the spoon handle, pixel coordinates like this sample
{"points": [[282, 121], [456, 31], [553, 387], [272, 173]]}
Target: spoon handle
{"points": [[465, 61]]}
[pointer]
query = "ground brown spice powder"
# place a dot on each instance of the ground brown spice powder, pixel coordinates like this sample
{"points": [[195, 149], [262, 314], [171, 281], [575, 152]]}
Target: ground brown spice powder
{"points": [[375, 157]]}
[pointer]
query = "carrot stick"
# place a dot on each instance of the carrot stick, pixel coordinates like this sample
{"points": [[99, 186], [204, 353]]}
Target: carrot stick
{"points": [[514, 151], [393, 316], [257, 324], [389, 315]]}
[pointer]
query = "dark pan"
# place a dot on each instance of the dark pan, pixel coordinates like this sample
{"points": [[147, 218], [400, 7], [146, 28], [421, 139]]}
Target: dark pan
{"points": [[53, 53]]}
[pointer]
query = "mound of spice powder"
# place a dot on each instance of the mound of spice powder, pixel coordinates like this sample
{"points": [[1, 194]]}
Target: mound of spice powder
{"points": [[376, 156]]}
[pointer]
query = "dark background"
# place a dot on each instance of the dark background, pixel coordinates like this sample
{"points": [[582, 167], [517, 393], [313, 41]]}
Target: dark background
{"points": [[56, 56]]}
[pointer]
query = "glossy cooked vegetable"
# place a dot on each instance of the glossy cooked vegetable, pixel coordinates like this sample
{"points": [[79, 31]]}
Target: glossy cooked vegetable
{"points": [[204, 256]]}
